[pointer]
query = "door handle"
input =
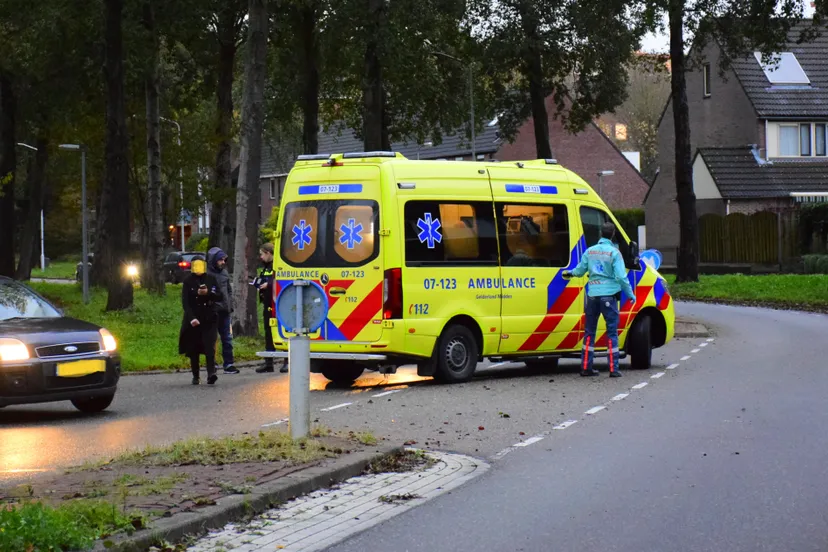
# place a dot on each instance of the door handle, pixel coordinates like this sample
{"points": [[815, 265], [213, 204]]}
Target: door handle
{"points": [[337, 291]]}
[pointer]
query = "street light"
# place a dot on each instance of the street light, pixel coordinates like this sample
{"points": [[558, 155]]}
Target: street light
{"points": [[42, 230], [181, 181], [601, 175], [424, 145], [84, 221], [469, 68]]}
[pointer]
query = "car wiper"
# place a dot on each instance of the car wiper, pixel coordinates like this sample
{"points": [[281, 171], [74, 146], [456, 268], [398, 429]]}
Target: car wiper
{"points": [[12, 318]]}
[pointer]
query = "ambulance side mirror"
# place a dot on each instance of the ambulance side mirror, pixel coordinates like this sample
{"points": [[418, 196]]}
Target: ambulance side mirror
{"points": [[632, 260]]}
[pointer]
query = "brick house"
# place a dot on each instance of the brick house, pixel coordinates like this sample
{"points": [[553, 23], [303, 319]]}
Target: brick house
{"points": [[586, 153], [758, 137]]}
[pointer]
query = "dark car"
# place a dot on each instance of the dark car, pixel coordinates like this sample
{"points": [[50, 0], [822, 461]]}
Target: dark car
{"points": [[46, 356], [177, 265]]}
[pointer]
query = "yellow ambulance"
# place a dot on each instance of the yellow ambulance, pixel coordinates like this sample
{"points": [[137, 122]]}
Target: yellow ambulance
{"points": [[443, 264]]}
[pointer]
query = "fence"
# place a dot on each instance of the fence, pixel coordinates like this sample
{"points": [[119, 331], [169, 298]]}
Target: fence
{"points": [[762, 238]]}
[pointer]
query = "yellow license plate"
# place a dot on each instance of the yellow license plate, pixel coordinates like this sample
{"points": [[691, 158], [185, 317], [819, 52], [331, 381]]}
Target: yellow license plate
{"points": [[80, 368]]}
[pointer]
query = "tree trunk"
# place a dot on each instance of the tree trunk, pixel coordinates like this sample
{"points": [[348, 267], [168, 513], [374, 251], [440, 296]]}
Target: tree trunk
{"points": [[221, 233], [534, 74], [151, 276], [8, 167], [374, 120], [310, 84], [113, 225], [245, 319], [688, 253], [29, 240]]}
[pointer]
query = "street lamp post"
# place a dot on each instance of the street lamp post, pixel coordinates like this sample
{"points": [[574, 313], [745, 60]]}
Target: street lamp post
{"points": [[42, 229], [470, 70], [601, 175], [423, 145], [84, 219], [181, 181]]}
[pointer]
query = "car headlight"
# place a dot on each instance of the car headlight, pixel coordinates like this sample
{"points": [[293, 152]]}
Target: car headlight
{"points": [[109, 343], [12, 350]]}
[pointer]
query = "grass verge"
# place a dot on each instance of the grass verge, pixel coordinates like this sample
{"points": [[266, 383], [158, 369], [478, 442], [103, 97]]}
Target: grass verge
{"points": [[786, 291], [148, 333], [63, 270], [73, 525]]}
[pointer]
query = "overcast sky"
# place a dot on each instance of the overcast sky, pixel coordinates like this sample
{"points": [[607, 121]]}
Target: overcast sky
{"points": [[660, 42]]}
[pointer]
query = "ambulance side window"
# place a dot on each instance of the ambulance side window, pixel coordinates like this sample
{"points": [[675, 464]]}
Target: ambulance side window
{"points": [[533, 235], [439, 233], [592, 219]]}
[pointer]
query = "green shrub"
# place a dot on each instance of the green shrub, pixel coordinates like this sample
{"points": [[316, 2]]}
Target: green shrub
{"points": [[630, 220], [816, 264], [267, 232], [195, 241]]}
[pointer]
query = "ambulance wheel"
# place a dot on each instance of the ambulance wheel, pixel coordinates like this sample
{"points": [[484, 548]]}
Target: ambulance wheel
{"points": [[341, 372], [640, 346], [543, 365], [456, 355]]}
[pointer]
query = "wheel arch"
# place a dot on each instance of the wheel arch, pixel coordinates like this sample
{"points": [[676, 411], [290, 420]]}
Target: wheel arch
{"points": [[658, 325]]}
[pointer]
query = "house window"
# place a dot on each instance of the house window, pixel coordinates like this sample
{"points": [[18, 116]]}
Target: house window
{"points": [[788, 141], [620, 131], [273, 189], [805, 140], [706, 70], [819, 139]]}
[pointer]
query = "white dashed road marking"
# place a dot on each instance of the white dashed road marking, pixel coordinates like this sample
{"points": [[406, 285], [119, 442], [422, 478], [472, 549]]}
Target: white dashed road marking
{"points": [[694, 351], [672, 367], [497, 365], [685, 357], [620, 396], [710, 340], [343, 405], [277, 422], [386, 393], [529, 441], [656, 376], [705, 344], [641, 385], [565, 424], [595, 410]]}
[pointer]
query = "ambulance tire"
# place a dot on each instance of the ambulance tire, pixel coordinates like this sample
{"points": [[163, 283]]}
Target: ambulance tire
{"points": [[640, 346], [342, 372], [456, 355]]}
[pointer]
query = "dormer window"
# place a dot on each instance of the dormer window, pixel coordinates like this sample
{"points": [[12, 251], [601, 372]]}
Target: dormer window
{"points": [[783, 69]]}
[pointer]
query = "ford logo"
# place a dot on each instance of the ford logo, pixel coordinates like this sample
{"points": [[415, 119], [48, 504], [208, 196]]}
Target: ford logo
{"points": [[70, 349]]}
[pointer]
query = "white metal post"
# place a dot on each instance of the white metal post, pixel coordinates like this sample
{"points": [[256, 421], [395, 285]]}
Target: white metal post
{"points": [[299, 363], [84, 229], [42, 243]]}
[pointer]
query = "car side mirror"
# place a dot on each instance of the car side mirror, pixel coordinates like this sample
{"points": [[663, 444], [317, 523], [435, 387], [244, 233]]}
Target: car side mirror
{"points": [[632, 260]]}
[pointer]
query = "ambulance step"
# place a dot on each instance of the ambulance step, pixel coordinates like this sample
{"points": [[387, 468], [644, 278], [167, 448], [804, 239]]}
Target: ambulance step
{"points": [[323, 356]]}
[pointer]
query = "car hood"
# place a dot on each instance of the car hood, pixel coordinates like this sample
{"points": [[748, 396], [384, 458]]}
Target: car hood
{"points": [[49, 331]]}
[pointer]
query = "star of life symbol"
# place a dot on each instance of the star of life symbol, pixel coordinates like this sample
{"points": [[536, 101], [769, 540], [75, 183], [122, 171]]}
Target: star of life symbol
{"points": [[429, 231], [301, 234], [350, 237], [599, 268]]}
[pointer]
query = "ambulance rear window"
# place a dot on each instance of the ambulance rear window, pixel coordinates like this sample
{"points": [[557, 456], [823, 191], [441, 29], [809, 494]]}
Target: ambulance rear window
{"points": [[330, 233]]}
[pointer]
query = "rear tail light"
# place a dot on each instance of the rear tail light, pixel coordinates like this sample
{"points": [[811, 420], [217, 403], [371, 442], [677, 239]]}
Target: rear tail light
{"points": [[392, 294], [184, 264]]}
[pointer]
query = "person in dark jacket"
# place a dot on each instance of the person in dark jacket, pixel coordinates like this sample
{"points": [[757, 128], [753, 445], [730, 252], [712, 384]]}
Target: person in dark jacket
{"points": [[264, 283], [217, 266], [199, 295]]}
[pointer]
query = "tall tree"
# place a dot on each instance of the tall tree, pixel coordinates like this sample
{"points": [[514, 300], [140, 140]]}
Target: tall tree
{"points": [[245, 320], [575, 51], [309, 12], [153, 231], [228, 24], [374, 118], [36, 184], [739, 27], [112, 242], [8, 167]]}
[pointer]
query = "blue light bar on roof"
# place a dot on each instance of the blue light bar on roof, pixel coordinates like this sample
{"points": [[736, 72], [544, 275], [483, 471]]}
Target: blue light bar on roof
{"points": [[364, 154]]}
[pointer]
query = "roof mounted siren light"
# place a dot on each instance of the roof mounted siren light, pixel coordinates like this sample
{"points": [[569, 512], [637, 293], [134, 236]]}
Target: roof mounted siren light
{"points": [[365, 154]]}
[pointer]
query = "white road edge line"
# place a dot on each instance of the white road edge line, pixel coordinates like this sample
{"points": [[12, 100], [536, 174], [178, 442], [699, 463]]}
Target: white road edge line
{"points": [[386, 393], [565, 424], [595, 410], [672, 366], [656, 376], [641, 385], [694, 351], [685, 357], [529, 441], [277, 422], [343, 405], [620, 396]]}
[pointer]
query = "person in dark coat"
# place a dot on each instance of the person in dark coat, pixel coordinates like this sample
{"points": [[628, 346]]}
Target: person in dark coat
{"points": [[217, 266], [199, 328], [264, 282]]}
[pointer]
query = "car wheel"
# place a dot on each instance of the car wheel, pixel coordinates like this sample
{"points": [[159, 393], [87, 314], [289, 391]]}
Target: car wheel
{"points": [[640, 344], [96, 404], [542, 366], [456, 355], [342, 372]]}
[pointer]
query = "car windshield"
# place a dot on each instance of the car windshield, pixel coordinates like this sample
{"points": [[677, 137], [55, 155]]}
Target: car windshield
{"points": [[190, 256], [18, 301]]}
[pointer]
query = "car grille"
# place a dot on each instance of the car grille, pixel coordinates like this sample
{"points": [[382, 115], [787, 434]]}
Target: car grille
{"points": [[50, 351]]}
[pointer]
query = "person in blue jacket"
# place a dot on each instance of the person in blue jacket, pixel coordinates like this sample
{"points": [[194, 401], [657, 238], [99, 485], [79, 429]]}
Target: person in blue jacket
{"points": [[607, 279]]}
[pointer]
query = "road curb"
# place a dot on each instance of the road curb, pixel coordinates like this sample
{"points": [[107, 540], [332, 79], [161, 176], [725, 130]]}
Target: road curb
{"points": [[690, 329], [260, 499]]}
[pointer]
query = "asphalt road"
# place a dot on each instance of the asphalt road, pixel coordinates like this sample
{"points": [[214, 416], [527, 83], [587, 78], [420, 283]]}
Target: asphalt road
{"points": [[726, 451]]}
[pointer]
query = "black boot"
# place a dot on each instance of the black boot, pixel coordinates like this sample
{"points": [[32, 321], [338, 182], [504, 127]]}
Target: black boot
{"points": [[284, 368], [589, 373], [268, 367]]}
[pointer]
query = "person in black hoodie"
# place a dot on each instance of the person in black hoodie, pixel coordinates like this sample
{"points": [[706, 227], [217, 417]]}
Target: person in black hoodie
{"points": [[264, 283], [217, 266], [199, 295]]}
